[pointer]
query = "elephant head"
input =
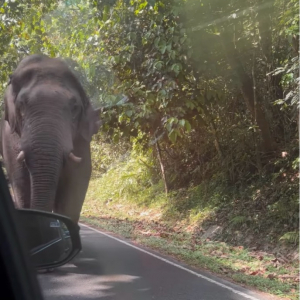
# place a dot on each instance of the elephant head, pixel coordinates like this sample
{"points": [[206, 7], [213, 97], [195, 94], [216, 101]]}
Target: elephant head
{"points": [[46, 106]]}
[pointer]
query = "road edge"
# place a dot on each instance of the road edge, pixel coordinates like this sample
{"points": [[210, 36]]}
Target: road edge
{"points": [[243, 291]]}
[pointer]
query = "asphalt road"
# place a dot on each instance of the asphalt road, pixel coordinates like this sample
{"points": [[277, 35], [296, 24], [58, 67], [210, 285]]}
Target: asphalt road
{"points": [[111, 269]]}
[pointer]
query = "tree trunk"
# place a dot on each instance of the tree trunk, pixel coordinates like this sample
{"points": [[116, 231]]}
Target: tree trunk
{"points": [[264, 17], [257, 147], [214, 131], [162, 168]]}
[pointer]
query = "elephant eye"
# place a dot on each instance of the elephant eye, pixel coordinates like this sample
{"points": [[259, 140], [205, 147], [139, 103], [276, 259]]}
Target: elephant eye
{"points": [[75, 110]]}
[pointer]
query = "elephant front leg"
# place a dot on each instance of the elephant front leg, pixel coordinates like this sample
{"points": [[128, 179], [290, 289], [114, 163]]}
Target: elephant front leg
{"points": [[21, 187], [71, 194], [69, 200], [18, 174], [74, 183]]}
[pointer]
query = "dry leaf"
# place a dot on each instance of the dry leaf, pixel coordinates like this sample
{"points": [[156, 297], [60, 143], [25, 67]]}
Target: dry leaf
{"points": [[224, 270], [254, 273], [272, 276]]}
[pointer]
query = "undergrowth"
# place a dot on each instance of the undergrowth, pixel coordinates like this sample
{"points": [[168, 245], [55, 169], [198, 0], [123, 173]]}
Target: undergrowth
{"points": [[261, 217], [266, 209]]}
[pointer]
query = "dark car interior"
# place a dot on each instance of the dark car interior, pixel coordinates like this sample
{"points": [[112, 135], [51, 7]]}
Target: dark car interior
{"points": [[17, 268]]}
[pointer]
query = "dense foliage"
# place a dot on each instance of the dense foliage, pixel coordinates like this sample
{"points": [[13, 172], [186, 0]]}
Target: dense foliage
{"points": [[208, 89]]}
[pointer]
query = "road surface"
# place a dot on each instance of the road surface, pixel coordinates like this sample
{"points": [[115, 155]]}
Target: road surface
{"points": [[111, 269]]}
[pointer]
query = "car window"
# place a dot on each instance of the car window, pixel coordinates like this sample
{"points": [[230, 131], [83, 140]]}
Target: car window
{"points": [[172, 124]]}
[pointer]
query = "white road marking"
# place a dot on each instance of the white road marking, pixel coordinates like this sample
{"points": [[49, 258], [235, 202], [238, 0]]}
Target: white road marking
{"points": [[176, 265]]}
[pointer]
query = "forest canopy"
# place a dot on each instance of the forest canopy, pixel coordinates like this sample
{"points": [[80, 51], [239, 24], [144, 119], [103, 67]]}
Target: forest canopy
{"points": [[207, 89]]}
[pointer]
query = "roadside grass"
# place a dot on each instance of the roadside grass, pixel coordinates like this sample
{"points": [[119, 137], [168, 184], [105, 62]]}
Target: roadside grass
{"points": [[171, 225]]}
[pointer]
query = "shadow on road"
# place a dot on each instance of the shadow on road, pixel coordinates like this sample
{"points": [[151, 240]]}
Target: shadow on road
{"points": [[107, 269], [86, 278]]}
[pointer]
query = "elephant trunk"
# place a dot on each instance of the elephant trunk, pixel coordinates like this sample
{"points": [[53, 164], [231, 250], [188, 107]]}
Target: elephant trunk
{"points": [[45, 144], [43, 188], [44, 162]]}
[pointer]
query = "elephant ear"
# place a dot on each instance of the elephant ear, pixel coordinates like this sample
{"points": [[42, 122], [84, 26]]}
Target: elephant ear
{"points": [[90, 123], [90, 119], [10, 114]]}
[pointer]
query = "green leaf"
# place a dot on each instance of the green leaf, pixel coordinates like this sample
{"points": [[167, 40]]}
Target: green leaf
{"points": [[173, 136], [172, 120], [162, 46], [188, 126], [158, 65], [129, 113], [176, 68], [181, 122]]}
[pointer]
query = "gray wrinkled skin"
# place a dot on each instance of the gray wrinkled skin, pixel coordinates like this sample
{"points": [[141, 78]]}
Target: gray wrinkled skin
{"points": [[47, 116]]}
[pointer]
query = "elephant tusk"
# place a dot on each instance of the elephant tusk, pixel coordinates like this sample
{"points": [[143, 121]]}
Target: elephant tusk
{"points": [[21, 156], [75, 158]]}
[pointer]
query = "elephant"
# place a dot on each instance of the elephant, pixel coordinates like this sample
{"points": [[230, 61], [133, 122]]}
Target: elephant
{"points": [[46, 132]]}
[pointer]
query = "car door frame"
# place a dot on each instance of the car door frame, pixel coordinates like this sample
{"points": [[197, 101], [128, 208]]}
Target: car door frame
{"points": [[19, 272]]}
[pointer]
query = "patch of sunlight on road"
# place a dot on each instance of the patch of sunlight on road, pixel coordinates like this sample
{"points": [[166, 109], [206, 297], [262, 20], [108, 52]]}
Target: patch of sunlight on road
{"points": [[68, 282], [77, 285], [118, 278]]}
